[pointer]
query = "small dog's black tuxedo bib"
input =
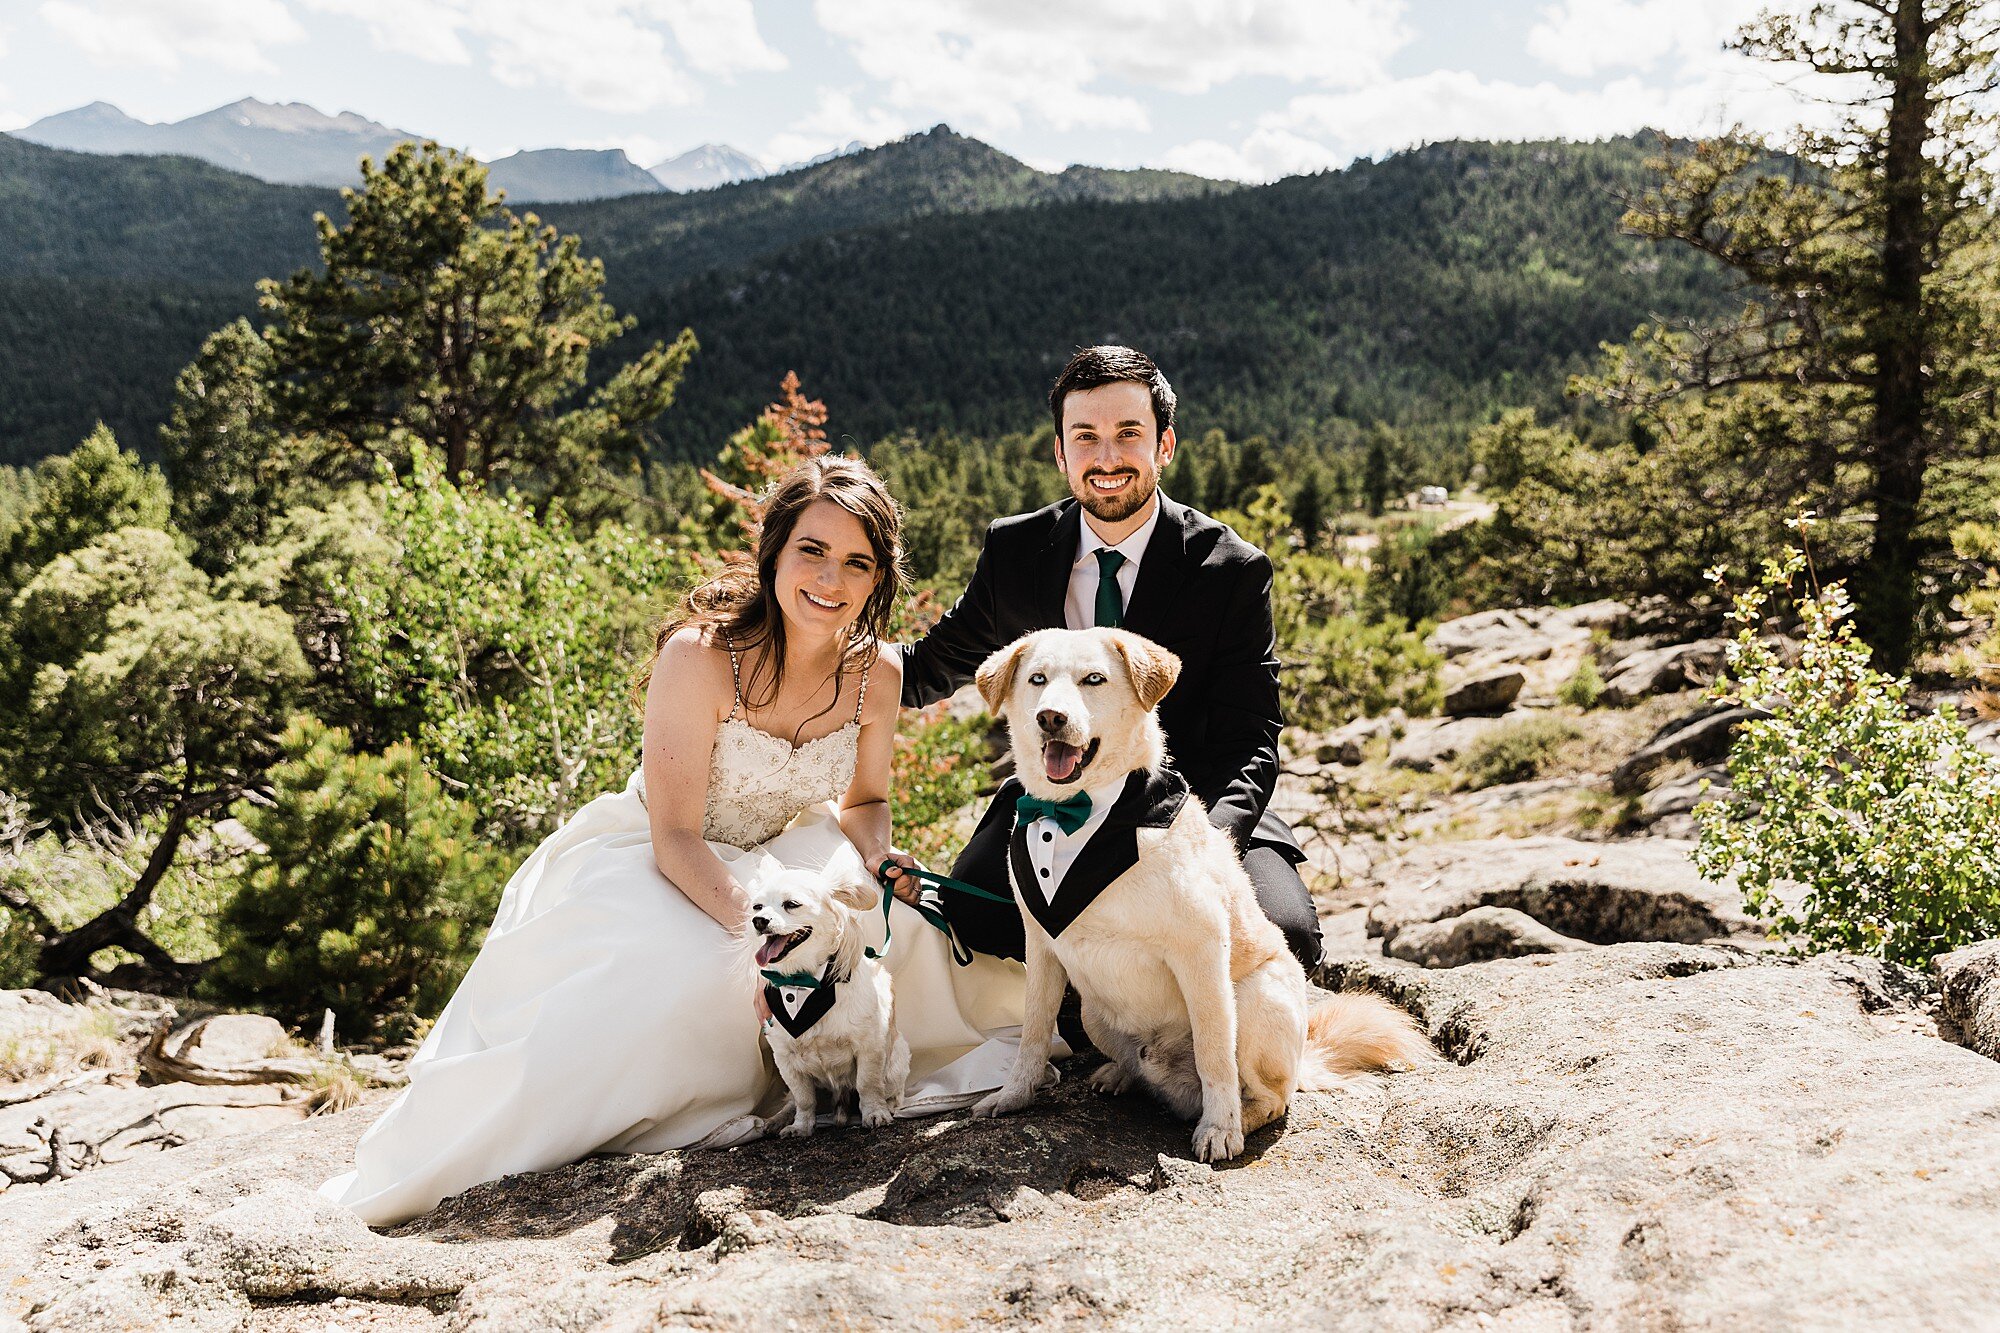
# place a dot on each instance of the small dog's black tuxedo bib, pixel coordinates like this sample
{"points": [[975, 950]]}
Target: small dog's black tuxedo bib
{"points": [[797, 1005], [1148, 800]]}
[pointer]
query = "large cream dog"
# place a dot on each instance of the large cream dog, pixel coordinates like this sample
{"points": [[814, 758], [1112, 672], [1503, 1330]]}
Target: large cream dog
{"points": [[1186, 985]]}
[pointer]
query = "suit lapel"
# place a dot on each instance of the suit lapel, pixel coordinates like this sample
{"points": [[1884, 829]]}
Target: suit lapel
{"points": [[1161, 570], [797, 1008], [1058, 558], [1147, 801]]}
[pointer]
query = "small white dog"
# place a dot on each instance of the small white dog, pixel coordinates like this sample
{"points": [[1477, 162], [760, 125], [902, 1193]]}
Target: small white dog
{"points": [[833, 1009], [1144, 906]]}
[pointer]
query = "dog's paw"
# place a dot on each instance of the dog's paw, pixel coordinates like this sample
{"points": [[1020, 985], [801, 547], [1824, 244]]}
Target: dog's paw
{"points": [[876, 1117], [798, 1129], [1217, 1143], [1111, 1079], [1004, 1102]]}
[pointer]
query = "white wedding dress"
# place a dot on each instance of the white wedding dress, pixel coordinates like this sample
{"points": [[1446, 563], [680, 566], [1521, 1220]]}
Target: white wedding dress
{"points": [[607, 1013]]}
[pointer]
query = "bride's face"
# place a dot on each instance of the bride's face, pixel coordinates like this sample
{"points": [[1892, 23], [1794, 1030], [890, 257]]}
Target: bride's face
{"points": [[825, 572]]}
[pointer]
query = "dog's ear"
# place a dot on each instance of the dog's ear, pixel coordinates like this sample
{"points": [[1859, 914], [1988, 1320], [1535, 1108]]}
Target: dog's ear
{"points": [[1152, 669], [858, 892], [995, 677]]}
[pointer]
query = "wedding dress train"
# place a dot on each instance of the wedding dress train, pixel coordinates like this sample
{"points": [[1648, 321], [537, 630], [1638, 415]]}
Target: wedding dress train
{"points": [[607, 1013]]}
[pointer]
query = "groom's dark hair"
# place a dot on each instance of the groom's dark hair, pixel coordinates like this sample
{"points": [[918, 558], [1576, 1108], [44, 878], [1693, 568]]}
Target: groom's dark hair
{"points": [[1109, 364]]}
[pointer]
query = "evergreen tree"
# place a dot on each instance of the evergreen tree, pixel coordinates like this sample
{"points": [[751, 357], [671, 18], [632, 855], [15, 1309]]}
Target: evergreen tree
{"points": [[1375, 472], [1873, 339], [439, 316], [79, 496], [222, 450], [128, 693], [369, 896]]}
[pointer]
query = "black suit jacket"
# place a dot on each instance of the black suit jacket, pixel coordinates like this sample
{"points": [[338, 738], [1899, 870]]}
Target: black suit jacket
{"points": [[1202, 592]]}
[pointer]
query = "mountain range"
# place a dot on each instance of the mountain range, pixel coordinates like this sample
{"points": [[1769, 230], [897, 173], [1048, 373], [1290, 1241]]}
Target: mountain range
{"points": [[295, 144], [933, 283]]}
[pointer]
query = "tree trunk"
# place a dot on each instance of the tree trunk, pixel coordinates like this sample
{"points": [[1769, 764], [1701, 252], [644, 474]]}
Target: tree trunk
{"points": [[1887, 600], [67, 956]]}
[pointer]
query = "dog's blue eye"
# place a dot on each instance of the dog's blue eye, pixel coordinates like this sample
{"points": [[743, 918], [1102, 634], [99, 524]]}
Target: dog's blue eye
{"points": [[1038, 679], [1094, 678], [791, 906]]}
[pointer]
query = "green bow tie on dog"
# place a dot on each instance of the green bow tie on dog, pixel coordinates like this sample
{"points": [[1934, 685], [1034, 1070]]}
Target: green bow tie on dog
{"points": [[1070, 813]]}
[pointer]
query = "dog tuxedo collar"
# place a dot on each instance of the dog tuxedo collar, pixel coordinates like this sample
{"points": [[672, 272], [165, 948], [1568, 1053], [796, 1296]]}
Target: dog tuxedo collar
{"points": [[1148, 800], [799, 999]]}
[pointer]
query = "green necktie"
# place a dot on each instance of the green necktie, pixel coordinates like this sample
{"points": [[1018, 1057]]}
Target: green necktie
{"points": [[1110, 606]]}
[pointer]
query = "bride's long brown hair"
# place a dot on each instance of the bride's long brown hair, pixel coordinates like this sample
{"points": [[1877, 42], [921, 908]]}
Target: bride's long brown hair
{"points": [[738, 610]]}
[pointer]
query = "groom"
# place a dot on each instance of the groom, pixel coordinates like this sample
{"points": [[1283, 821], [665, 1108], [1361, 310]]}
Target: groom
{"points": [[1119, 552]]}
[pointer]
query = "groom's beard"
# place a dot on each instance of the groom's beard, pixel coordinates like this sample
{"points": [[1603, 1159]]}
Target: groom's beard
{"points": [[1120, 506]]}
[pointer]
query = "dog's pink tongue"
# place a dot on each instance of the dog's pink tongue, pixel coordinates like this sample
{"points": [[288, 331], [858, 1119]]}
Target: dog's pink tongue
{"points": [[1060, 760], [772, 946]]}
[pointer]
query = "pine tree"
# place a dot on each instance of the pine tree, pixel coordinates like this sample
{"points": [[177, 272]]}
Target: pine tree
{"points": [[222, 450], [1375, 472], [439, 316], [369, 896], [1873, 251], [80, 496]]}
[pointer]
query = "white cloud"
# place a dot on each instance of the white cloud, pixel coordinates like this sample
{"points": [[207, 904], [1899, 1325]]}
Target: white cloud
{"points": [[989, 66], [1583, 37], [611, 55], [160, 34], [1329, 129], [836, 121]]}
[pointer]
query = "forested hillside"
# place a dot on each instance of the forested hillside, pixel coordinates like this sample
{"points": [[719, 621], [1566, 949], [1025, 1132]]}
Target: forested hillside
{"points": [[148, 255], [1426, 290], [914, 287]]}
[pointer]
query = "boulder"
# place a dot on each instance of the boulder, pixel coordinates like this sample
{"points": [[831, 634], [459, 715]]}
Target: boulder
{"points": [[1985, 734], [1498, 631], [1683, 794], [1638, 1136], [1426, 746], [1348, 744], [1525, 634], [1487, 692], [1599, 892], [1478, 936], [230, 1039], [1661, 670], [1968, 983], [1702, 737]]}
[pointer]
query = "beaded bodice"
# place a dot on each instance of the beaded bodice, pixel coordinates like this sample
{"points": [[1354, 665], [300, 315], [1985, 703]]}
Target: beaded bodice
{"points": [[758, 783]]}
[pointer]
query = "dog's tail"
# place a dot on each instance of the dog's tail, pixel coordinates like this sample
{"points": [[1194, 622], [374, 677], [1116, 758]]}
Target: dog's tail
{"points": [[1351, 1033]]}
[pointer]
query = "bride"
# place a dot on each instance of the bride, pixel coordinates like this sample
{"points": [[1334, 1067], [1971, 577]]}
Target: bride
{"points": [[613, 1007]]}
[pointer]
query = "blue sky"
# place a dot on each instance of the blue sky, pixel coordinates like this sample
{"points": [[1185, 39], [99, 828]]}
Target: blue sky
{"points": [[1249, 89]]}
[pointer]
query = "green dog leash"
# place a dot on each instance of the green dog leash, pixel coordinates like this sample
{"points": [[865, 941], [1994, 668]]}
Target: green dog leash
{"points": [[960, 954]]}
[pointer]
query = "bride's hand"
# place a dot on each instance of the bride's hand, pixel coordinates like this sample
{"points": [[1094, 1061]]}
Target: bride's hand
{"points": [[762, 1006], [904, 886]]}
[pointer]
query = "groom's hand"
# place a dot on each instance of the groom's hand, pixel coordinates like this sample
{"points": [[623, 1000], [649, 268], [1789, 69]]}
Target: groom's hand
{"points": [[903, 885]]}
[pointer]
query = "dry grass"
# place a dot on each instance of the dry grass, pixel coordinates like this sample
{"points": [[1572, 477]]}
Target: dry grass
{"points": [[37, 1040], [334, 1086], [1574, 812]]}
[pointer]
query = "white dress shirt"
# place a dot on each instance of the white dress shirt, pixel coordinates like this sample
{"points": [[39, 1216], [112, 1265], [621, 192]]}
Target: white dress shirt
{"points": [[1080, 610], [1052, 852]]}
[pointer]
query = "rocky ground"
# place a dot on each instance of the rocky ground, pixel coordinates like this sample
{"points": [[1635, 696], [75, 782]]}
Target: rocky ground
{"points": [[1643, 1115]]}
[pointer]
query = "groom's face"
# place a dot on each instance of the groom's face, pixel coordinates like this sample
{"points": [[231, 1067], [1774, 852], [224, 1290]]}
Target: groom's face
{"points": [[1112, 449]]}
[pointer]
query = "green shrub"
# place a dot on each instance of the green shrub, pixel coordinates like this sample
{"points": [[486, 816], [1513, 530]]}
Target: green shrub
{"points": [[1517, 751], [1890, 822], [1583, 688], [1348, 667], [369, 898], [939, 764]]}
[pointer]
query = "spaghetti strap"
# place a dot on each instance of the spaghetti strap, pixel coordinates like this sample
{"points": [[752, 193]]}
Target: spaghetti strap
{"points": [[864, 691], [736, 674]]}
